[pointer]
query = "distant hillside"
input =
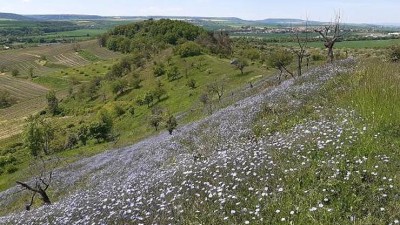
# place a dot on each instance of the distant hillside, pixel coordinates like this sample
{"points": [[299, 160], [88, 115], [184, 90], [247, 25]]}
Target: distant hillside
{"points": [[12, 16], [66, 17], [286, 21]]}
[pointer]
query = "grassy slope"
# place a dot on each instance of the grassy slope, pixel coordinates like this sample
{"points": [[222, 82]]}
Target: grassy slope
{"points": [[355, 181], [329, 158], [333, 159], [180, 100]]}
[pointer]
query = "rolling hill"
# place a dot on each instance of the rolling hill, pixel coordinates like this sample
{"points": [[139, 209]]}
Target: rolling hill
{"points": [[12, 16], [65, 17]]}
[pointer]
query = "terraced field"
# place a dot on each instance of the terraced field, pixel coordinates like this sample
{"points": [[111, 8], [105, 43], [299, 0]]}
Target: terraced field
{"points": [[30, 99], [29, 95], [57, 55], [21, 89]]}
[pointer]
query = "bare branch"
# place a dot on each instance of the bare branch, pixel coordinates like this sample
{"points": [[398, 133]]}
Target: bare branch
{"points": [[27, 186]]}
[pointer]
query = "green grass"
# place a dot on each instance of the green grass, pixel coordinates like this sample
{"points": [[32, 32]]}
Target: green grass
{"points": [[88, 56], [356, 183], [51, 82], [131, 128]]}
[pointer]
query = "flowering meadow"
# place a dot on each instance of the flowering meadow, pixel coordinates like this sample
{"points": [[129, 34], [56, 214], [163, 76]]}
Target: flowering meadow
{"points": [[301, 152]]}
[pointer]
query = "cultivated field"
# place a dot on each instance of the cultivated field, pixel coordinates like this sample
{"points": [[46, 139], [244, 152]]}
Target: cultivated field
{"points": [[47, 62], [21, 89], [30, 99], [48, 58]]}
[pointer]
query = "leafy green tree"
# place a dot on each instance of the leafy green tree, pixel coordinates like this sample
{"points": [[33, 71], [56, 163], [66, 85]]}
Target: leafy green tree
{"points": [[252, 54], [38, 134], [148, 99], [159, 92], [102, 40], [188, 49], [159, 70], [48, 135], [240, 64], [171, 124], [33, 135], [279, 60], [92, 87], [112, 43], [173, 73], [118, 87], [101, 129], [52, 102]]}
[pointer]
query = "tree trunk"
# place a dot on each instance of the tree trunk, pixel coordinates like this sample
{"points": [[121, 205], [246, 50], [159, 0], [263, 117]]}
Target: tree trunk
{"points": [[280, 74], [330, 53], [45, 198], [291, 74], [299, 62]]}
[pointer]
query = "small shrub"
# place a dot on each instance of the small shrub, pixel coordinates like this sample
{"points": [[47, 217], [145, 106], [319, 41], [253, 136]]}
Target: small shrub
{"points": [[317, 57], [11, 169], [15, 72], [173, 73], [6, 100], [118, 110], [71, 141], [131, 110], [394, 53], [159, 70], [191, 83]]}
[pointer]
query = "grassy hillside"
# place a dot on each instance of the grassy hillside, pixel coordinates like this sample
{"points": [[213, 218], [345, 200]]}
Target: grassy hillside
{"points": [[86, 75], [321, 148]]}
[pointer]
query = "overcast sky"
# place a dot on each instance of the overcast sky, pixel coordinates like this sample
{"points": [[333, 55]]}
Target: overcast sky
{"points": [[359, 11]]}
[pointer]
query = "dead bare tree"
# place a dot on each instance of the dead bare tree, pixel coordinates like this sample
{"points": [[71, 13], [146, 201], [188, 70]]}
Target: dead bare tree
{"points": [[301, 50], [331, 34], [44, 171]]}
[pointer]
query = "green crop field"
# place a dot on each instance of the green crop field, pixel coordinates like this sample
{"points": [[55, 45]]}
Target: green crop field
{"points": [[353, 44]]}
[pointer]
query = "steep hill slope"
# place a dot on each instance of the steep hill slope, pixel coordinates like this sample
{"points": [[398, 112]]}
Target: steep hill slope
{"points": [[206, 172]]}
